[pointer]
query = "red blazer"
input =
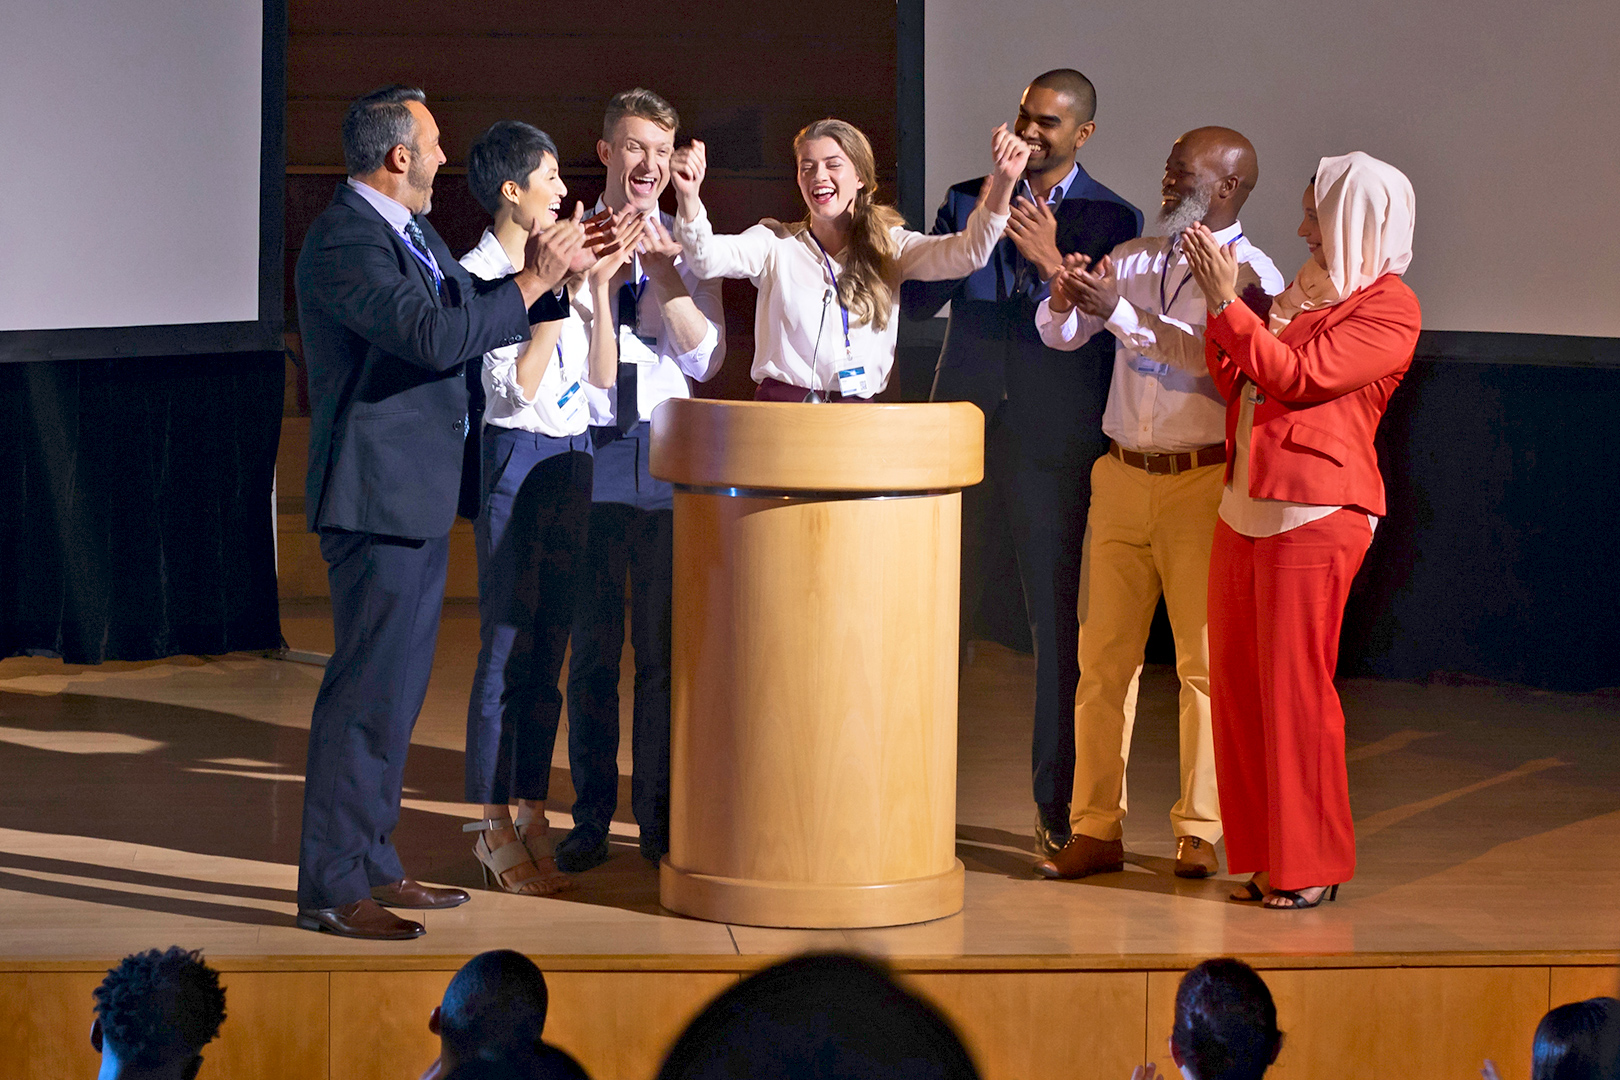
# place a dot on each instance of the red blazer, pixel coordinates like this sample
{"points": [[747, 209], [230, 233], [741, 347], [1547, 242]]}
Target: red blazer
{"points": [[1325, 383]]}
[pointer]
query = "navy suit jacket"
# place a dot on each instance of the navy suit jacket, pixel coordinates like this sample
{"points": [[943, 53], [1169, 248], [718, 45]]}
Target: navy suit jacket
{"points": [[992, 352], [385, 355]]}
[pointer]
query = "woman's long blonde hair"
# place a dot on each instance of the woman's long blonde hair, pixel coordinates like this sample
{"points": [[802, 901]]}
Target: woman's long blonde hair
{"points": [[863, 286]]}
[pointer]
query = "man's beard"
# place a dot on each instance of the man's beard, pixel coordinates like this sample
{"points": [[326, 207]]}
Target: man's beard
{"points": [[417, 178], [1190, 210]]}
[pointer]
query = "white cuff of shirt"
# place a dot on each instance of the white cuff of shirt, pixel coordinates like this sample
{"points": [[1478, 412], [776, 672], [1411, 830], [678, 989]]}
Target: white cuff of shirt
{"points": [[1052, 331], [694, 361], [1124, 321]]}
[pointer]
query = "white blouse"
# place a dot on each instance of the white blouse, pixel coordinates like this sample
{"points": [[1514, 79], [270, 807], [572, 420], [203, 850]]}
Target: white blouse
{"points": [[798, 322], [558, 407]]}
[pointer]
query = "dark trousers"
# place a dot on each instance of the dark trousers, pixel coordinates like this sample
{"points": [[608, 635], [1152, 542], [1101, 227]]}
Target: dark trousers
{"points": [[1042, 498], [530, 531], [634, 541], [387, 594]]}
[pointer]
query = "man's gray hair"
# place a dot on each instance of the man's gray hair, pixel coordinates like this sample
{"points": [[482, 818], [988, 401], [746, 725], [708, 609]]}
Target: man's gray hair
{"points": [[377, 123]]}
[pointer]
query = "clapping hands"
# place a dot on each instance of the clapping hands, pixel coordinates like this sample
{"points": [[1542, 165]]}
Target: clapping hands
{"points": [[1214, 267], [551, 251], [1093, 288], [619, 238]]}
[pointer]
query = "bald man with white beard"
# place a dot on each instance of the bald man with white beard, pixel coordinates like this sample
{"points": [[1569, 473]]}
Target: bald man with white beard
{"points": [[1154, 496]]}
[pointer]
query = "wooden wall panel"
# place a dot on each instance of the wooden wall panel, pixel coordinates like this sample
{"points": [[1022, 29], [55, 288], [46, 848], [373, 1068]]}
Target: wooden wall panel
{"points": [[1579, 983], [1034, 1025], [1373, 1023], [619, 1024], [744, 77], [56, 1011], [275, 1025], [379, 1023]]}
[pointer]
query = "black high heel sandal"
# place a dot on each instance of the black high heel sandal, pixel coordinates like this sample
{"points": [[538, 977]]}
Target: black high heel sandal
{"points": [[1297, 902], [1249, 894]]}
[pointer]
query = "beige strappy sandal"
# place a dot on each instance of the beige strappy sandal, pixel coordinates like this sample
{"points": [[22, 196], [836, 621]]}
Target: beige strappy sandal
{"points": [[512, 855], [541, 845]]}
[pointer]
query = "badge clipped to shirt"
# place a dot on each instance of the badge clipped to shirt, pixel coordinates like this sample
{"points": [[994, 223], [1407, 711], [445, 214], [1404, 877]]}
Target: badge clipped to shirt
{"points": [[852, 379], [570, 402], [636, 349]]}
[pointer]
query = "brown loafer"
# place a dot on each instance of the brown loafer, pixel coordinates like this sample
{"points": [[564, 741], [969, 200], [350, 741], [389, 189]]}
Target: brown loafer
{"points": [[1084, 855], [406, 893], [1195, 857], [362, 919]]}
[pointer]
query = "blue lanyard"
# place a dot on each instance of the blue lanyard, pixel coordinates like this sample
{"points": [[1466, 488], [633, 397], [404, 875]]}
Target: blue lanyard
{"points": [[425, 260], [1164, 307], [834, 275]]}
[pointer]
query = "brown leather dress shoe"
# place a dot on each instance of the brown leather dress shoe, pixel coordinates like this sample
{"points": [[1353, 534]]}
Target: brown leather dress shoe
{"points": [[406, 893], [362, 919], [1084, 855], [1195, 857]]}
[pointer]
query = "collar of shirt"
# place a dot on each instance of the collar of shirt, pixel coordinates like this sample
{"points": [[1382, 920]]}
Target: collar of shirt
{"points": [[392, 210], [1059, 192], [488, 259]]}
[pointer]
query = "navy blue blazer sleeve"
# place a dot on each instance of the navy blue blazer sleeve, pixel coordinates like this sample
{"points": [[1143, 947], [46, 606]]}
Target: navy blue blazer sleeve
{"points": [[923, 299], [355, 275]]}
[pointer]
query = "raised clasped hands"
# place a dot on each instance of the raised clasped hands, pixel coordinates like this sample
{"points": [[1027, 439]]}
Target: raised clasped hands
{"points": [[552, 250], [1033, 229], [1011, 155], [687, 168], [1213, 266]]}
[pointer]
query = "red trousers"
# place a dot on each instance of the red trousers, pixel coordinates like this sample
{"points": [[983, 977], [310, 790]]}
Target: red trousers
{"points": [[1276, 604]]}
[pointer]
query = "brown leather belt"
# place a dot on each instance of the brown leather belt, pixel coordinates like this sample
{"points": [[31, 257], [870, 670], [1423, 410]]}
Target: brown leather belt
{"points": [[1170, 464]]}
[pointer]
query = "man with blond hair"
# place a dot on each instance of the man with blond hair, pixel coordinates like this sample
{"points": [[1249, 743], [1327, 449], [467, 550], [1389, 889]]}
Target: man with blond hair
{"points": [[671, 331]]}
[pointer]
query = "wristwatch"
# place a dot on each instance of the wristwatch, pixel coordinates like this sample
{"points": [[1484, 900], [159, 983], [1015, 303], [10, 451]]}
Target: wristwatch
{"points": [[1220, 307]]}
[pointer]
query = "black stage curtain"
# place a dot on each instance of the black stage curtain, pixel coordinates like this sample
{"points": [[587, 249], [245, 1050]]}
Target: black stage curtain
{"points": [[1499, 556], [135, 506]]}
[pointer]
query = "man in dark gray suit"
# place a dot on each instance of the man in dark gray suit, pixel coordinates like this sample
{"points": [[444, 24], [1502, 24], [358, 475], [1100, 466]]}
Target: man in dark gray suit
{"points": [[389, 320]]}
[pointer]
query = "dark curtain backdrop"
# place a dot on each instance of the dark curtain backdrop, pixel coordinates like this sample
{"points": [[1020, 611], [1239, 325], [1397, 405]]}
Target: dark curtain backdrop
{"points": [[135, 512]]}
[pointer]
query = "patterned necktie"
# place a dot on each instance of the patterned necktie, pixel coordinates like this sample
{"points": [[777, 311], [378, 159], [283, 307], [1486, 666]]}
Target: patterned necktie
{"points": [[418, 242], [629, 403]]}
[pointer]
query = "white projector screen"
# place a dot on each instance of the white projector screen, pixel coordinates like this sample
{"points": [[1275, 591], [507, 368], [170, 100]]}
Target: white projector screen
{"points": [[130, 196], [1502, 113]]}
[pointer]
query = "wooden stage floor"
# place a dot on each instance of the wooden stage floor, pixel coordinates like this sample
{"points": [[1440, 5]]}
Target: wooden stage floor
{"points": [[158, 803]]}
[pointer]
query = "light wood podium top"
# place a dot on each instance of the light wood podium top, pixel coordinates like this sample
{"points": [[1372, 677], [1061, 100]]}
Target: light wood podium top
{"points": [[782, 446]]}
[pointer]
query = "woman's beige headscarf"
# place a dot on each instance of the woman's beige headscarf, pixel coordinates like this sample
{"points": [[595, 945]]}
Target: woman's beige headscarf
{"points": [[1365, 208]]}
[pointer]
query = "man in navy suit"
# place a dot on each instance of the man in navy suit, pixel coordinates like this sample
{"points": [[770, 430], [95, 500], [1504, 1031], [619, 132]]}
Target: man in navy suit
{"points": [[1042, 408], [388, 319]]}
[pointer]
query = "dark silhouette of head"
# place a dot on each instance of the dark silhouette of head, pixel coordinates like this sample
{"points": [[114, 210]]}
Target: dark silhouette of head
{"points": [[1226, 1022], [545, 1063], [494, 1008], [819, 1017], [1577, 1041], [155, 1012]]}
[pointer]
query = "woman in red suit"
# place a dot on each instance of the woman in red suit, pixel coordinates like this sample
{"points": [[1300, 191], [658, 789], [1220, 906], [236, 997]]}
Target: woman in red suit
{"points": [[1303, 493]]}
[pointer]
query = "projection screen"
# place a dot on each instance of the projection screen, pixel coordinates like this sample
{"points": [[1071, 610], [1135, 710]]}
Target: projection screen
{"points": [[140, 203], [1502, 114]]}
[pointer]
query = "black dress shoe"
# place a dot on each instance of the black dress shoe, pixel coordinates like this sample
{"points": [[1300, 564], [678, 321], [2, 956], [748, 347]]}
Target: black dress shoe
{"points": [[1051, 829], [584, 848], [406, 893], [365, 919]]}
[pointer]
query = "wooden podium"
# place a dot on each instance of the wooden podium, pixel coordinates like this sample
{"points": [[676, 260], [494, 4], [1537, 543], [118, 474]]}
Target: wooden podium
{"points": [[813, 756]]}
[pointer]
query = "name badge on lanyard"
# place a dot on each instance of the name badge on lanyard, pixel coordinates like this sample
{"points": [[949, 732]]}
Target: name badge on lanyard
{"points": [[570, 401], [852, 380]]}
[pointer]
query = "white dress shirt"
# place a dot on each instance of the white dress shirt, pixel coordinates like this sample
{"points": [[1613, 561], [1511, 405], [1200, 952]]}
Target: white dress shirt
{"points": [[798, 322], [558, 407], [661, 372], [1162, 399]]}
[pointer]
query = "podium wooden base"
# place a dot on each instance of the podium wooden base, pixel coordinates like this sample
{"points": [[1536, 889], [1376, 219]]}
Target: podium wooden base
{"points": [[810, 907]]}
